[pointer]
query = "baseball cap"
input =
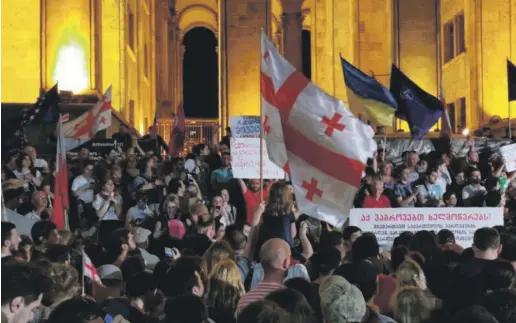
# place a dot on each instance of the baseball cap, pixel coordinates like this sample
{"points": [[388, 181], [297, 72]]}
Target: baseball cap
{"points": [[141, 235], [110, 272], [341, 302]]}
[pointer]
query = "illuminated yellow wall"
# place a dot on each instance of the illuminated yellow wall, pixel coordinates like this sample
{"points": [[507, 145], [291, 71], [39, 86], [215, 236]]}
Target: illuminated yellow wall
{"points": [[67, 44], [480, 73], [20, 50], [113, 58], [83, 44], [417, 45], [242, 53]]}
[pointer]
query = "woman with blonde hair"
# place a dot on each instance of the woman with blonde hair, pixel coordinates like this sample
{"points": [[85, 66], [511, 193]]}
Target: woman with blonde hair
{"points": [[225, 288], [411, 305], [217, 252], [410, 274]]}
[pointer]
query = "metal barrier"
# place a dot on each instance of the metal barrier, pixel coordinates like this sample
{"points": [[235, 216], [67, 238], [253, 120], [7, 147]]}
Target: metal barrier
{"points": [[201, 131]]}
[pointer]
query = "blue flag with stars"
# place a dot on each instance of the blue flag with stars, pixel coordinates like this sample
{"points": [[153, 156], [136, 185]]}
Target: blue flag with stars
{"points": [[420, 109]]}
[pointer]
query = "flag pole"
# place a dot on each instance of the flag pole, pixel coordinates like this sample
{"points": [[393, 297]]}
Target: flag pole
{"points": [[261, 124], [83, 289]]}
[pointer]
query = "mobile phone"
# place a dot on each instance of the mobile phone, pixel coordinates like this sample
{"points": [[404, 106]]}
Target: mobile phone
{"points": [[169, 253], [108, 318]]}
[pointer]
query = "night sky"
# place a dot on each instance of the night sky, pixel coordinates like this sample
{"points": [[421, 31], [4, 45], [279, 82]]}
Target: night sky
{"points": [[200, 75], [200, 72]]}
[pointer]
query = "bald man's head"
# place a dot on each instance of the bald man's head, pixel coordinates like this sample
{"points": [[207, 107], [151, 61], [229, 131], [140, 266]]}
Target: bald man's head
{"points": [[275, 255]]}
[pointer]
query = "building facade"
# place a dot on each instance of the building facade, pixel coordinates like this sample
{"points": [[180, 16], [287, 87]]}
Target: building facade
{"points": [[460, 46]]}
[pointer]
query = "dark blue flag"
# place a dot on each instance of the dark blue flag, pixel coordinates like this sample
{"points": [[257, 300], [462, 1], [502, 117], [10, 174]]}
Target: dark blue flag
{"points": [[511, 78], [421, 110], [44, 110]]}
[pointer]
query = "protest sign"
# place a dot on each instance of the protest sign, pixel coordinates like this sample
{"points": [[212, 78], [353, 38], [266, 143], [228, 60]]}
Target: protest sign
{"points": [[387, 224], [245, 160], [98, 148], [508, 153], [245, 126]]}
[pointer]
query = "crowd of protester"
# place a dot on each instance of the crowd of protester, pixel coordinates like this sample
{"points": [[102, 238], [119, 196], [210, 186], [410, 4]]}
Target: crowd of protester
{"points": [[179, 240]]}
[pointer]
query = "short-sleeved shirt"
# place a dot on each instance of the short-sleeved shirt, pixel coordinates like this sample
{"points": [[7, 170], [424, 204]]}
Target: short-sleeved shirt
{"points": [[257, 294], [111, 212], [221, 176], [135, 213], [371, 203], [431, 191], [403, 191], [252, 199], [470, 191], [87, 195]]}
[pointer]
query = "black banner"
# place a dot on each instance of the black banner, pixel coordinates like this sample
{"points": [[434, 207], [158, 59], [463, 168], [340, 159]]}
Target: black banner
{"points": [[98, 148]]}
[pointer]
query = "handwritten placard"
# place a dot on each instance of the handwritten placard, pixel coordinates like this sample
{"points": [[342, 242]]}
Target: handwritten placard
{"points": [[508, 153], [245, 160], [387, 224], [245, 126]]}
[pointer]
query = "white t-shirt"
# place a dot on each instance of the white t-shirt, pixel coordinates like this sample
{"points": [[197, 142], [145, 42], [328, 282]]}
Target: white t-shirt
{"points": [[135, 213], [111, 212], [41, 163], [191, 166], [471, 191], [87, 195]]}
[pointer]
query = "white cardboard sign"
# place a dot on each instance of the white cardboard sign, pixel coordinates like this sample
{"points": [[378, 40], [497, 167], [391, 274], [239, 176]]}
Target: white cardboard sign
{"points": [[245, 160], [509, 155]]}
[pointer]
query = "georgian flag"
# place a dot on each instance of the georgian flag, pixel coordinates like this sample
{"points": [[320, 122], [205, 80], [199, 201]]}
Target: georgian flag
{"points": [[85, 127], [89, 270], [314, 137]]}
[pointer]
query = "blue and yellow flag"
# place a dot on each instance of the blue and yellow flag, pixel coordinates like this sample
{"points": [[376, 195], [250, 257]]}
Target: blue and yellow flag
{"points": [[367, 96]]}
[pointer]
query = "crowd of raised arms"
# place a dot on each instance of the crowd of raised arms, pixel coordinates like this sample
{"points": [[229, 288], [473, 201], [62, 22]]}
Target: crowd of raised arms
{"points": [[179, 240]]}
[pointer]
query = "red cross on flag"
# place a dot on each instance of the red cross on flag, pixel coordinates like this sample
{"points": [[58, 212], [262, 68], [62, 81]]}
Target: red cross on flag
{"points": [[89, 123], [315, 135], [89, 270]]}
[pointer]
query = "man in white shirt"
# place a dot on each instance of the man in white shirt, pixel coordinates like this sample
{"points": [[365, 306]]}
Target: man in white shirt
{"points": [[82, 188], [82, 185]]}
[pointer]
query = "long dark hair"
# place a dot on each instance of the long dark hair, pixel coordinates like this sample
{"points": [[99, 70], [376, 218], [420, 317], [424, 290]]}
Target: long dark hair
{"points": [[280, 200]]}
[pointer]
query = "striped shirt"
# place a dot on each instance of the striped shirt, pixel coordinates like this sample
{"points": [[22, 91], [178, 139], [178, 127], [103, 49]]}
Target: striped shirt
{"points": [[257, 294]]}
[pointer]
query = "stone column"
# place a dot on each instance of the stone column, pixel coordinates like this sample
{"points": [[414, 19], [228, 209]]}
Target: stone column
{"points": [[172, 57], [180, 66], [292, 38]]}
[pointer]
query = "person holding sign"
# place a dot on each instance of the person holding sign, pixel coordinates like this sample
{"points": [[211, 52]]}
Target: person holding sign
{"points": [[252, 197]]}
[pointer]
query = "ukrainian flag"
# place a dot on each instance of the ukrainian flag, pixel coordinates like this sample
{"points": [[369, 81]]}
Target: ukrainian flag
{"points": [[367, 97]]}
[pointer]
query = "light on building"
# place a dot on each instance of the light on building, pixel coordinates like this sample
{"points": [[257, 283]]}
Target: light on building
{"points": [[465, 132], [71, 72]]}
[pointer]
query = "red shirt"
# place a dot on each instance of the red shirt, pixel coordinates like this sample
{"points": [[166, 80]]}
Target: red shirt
{"points": [[252, 199], [371, 203]]}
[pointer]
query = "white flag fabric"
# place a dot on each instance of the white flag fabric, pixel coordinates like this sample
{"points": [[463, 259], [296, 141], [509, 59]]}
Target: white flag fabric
{"points": [[89, 270], [85, 127], [314, 136]]}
